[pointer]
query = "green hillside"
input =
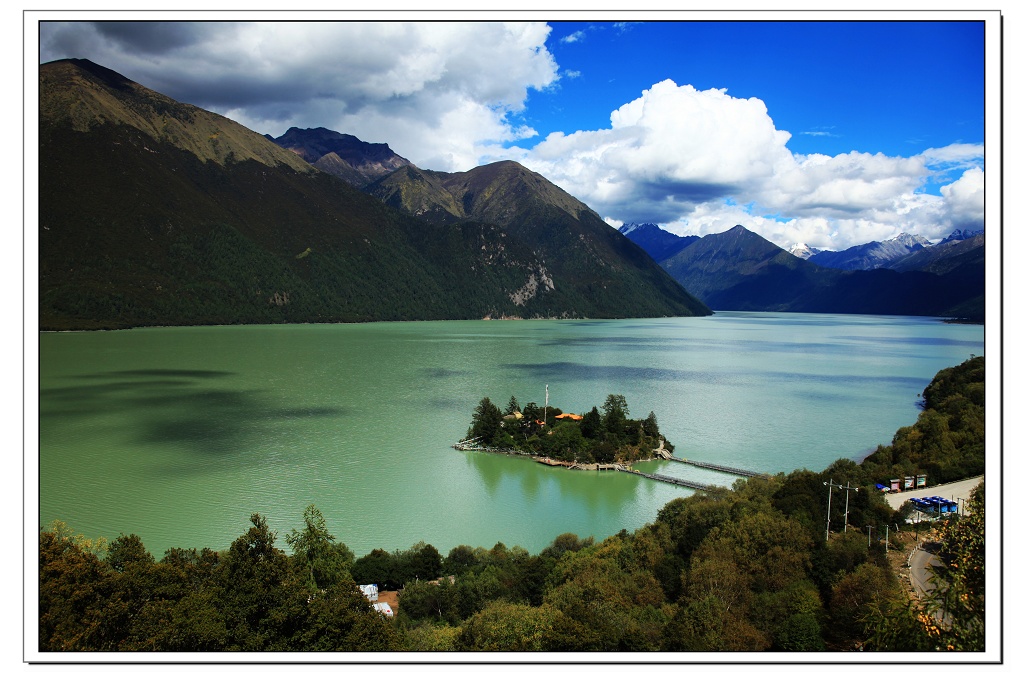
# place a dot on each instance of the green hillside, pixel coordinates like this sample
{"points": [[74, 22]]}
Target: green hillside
{"points": [[154, 212]]}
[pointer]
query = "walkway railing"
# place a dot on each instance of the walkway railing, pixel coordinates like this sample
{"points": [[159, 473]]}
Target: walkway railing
{"points": [[721, 468]]}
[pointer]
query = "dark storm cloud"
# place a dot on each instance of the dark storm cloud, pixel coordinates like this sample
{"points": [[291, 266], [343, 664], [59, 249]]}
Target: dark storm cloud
{"points": [[153, 37]]}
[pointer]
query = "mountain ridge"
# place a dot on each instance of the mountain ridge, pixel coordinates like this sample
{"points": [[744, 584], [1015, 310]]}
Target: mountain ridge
{"points": [[871, 255], [740, 270], [154, 212], [344, 156]]}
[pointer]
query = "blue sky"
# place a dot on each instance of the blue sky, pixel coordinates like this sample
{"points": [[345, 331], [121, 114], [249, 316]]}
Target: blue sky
{"points": [[890, 87], [825, 133]]}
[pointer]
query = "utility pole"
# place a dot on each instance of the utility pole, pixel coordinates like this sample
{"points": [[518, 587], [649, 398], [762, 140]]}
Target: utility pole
{"points": [[828, 515], [887, 539], [545, 405], [847, 513], [869, 534]]}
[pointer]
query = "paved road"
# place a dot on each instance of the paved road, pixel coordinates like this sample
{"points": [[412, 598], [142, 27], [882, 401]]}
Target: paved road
{"points": [[957, 489], [921, 568]]}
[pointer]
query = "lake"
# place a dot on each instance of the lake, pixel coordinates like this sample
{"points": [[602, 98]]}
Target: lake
{"points": [[179, 434]]}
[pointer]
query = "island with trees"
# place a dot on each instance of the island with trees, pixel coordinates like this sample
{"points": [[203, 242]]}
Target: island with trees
{"points": [[586, 441]]}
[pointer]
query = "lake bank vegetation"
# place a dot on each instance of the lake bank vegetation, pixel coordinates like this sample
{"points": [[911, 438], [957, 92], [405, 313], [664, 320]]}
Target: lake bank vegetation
{"points": [[741, 569]]}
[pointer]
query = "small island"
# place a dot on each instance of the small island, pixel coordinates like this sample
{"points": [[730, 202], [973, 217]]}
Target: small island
{"points": [[599, 439]]}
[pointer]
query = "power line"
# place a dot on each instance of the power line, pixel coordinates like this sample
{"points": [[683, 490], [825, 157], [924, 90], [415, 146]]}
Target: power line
{"points": [[828, 516]]}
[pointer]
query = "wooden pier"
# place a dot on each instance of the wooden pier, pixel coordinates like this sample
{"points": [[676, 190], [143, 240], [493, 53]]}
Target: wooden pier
{"points": [[721, 468]]}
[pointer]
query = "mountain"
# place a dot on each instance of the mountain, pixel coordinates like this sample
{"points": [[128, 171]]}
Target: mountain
{"points": [[740, 270], [495, 193], [561, 229], [871, 255], [660, 244], [958, 235], [945, 256], [801, 250], [155, 212], [356, 162]]}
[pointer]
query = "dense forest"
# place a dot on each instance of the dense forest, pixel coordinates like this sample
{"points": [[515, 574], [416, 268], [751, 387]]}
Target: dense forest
{"points": [[745, 568], [598, 436]]}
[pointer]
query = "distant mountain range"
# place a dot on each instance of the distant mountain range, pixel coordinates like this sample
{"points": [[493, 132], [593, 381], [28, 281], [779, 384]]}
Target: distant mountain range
{"points": [[155, 212], [659, 243], [739, 270], [871, 255], [801, 250]]}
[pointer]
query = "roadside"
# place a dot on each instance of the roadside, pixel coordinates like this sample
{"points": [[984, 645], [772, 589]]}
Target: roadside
{"points": [[953, 491]]}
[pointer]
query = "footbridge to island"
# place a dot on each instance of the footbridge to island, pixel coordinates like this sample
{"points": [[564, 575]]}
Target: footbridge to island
{"points": [[729, 469], [475, 445]]}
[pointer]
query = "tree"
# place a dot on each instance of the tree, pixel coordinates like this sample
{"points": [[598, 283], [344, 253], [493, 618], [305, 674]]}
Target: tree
{"points": [[590, 426], [319, 561], [614, 414], [956, 608], [460, 560], [506, 627], [513, 407], [377, 567], [486, 421], [133, 589], [425, 562], [257, 593], [70, 601], [852, 600], [651, 425], [125, 551]]}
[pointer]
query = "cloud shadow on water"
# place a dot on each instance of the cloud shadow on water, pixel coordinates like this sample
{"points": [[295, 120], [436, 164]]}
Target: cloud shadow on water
{"points": [[578, 372], [186, 410]]}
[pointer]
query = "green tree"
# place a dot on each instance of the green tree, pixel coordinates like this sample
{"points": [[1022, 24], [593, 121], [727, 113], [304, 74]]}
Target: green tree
{"points": [[650, 425], [317, 558], [134, 590], [614, 412], [513, 407], [259, 596], [459, 560], [70, 598], [590, 425], [486, 421], [425, 562], [507, 627], [956, 608], [852, 600], [379, 567]]}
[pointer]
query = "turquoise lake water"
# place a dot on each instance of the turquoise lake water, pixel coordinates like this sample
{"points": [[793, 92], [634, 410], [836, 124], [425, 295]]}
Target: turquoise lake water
{"points": [[179, 434]]}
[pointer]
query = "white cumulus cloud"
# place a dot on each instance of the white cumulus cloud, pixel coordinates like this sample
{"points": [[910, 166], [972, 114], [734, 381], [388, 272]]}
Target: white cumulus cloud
{"points": [[665, 152], [433, 91], [699, 162]]}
